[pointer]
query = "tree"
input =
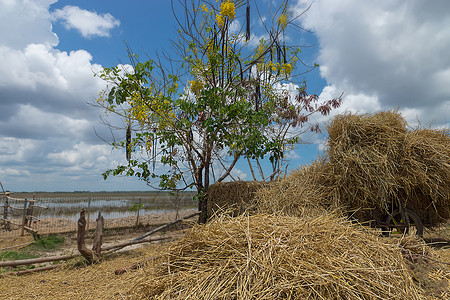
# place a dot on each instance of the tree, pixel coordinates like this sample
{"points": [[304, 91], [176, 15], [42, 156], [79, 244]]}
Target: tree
{"points": [[218, 97]]}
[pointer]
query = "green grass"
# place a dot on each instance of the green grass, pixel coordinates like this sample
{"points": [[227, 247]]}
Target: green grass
{"points": [[32, 251], [46, 243], [15, 255]]}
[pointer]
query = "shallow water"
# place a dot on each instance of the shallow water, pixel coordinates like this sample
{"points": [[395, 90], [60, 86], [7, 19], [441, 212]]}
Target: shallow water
{"points": [[110, 207]]}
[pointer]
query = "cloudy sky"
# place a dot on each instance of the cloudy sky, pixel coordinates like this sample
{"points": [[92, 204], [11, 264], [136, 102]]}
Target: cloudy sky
{"points": [[381, 54]]}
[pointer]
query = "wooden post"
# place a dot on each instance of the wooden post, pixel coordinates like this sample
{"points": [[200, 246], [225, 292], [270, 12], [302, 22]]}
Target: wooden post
{"points": [[138, 209], [6, 225], [88, 213], [30, 211], [24, 217], [88, 254], [98, 236]]}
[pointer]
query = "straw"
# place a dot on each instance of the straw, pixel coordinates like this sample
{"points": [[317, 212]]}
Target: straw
{"points": [[274, 257]]}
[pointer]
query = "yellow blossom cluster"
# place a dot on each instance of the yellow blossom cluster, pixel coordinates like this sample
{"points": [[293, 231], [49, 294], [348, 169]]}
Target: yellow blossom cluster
{"points": [[148, 144], [157, 110], [138, 111], [204, 8], [283, 21], [163, 112], [220, 20], [227, 10], [196, 86], [285, 69], [102, 97]]}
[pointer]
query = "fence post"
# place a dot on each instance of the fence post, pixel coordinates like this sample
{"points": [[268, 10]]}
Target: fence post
{"points": [[138, 209], [24, 218], [5, 213], [88, 213]]}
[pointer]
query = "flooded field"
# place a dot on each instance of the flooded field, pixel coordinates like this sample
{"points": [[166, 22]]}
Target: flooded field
{"points": [[65, 208], [111, 205]]}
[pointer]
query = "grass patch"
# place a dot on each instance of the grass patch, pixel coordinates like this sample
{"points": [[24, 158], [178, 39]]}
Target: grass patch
{"points": [[32, 251], [15, 255], [47, 242]]}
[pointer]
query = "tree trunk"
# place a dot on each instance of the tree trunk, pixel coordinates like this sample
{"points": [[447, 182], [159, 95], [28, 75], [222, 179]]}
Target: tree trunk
{"points": [[98, 236], [88, 254], [203, 204]]}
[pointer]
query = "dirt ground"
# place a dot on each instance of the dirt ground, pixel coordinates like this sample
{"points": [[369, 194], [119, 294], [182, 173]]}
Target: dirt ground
{"points": [[75, 280]]}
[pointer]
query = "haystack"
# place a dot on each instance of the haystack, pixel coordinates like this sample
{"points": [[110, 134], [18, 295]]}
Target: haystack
{"points": [[373, 164], [233, 197], [273, 257], [303, 193]]}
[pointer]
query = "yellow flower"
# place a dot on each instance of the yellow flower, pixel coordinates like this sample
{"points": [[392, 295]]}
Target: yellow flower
{"points": [[287, 69], [204, 8], [283, 20], [219, 20], [227, 9], [196, 86]]}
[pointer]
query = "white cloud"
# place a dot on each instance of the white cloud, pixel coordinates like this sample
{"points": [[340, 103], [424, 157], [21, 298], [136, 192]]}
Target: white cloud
{"points": [[88, 23], [47, 78], [14, 172], [237, 174], [384, 54], [82, 155], [24, 22], [14, 151], [46, 126], [291, 155]]}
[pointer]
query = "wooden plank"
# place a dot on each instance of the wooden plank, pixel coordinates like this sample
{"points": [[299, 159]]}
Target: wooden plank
{"points": [[39, 206], [30, 261], [19, 199], [51, 267], [12, 222]]}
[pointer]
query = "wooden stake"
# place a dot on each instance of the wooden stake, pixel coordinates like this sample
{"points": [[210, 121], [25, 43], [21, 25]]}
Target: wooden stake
{"points": [[98, 236], [88, 254], [24, 217]]}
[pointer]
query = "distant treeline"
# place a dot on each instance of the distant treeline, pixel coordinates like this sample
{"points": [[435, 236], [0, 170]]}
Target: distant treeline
{"points": [[29, 195]]}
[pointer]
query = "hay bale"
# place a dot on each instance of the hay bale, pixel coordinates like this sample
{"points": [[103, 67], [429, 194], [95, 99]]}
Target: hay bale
{"points": [[233, 197], [372, 161], [270, 257], [363, 158], [424, 174]]}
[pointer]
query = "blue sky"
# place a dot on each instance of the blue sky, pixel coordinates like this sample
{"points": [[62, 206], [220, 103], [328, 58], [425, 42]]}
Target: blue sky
{"points": [[381, 54]]}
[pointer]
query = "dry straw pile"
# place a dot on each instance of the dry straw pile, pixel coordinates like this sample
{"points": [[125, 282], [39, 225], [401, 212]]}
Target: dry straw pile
{"points": [[232, 197], [274, 257], [371, 163], [303, 193]]}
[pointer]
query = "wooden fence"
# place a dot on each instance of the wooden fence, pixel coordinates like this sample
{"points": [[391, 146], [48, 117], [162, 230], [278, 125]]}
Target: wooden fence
{"points": [[43, 214], [25, 206]]}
